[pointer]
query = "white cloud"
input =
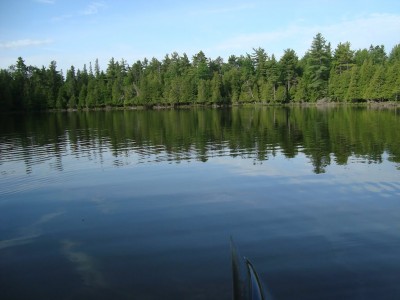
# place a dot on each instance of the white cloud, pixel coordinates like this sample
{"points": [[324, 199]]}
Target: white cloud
{"points": [[84, 264], [362, 31], [23, 43], [29, 233], [93, 8]]}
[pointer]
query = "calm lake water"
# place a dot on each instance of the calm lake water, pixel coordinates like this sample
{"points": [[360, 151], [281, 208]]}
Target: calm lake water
{"points": [[142, 204]]}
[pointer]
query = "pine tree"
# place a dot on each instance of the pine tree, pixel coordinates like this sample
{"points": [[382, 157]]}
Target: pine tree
{"points": [[288, 63], [267, 92], [82, 97], [6, 99], [273, 74], [355, 91], [343, 58], [301, 93], [394, 54], [20, 85], [318, 67], [55, 82], [204, 93], [375, 90], [216, 86], [260, 59], [377, 54], [366, 73], [70, 87], [281, 94], [339, 84]]}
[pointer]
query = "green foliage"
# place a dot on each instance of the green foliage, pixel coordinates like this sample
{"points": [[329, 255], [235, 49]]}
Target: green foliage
{"points": [[355, 90], [301, 94], [394, 55], [318, 68], [290, 72], [216, 86], [377, 54], [347, 75], [204, 91], [343, 57], [376, 88]]}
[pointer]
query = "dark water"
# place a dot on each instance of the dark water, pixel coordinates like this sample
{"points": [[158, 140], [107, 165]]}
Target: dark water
{"points": [[141, 204]]}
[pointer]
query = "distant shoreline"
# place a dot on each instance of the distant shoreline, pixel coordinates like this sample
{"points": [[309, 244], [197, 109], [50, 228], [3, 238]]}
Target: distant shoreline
{"points": [[318, 104]]}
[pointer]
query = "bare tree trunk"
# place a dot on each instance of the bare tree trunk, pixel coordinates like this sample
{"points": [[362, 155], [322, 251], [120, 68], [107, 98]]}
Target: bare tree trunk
{"points": [[136, 89]]}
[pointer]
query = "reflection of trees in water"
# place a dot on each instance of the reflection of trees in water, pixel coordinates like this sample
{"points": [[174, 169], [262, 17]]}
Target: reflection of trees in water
{"points": [[198, 134]]}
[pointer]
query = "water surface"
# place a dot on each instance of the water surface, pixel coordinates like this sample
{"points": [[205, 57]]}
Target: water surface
{"points": [[141, 204]]}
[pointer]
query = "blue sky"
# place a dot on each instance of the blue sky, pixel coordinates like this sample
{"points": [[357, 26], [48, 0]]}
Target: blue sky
{"points": [[77, 32]]}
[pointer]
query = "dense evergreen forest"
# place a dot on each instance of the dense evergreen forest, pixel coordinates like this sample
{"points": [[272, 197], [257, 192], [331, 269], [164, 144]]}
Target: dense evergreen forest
{"points": [[341, 75]]}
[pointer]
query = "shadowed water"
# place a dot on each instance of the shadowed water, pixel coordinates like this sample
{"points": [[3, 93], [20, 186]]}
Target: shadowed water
{"points": [[141, 204]]}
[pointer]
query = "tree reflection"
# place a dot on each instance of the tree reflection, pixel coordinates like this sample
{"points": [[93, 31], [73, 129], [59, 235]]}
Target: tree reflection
{"points": [[197, 134]]}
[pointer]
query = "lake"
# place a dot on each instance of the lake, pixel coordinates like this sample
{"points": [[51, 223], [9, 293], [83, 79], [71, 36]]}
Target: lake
{"points": [[142, 204]]}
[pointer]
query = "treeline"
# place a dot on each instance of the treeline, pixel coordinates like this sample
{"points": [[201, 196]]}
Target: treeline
{"points": [[341, 75]]}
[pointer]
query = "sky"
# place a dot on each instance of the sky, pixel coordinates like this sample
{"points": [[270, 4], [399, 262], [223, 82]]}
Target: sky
{"points": [[77, 32]]}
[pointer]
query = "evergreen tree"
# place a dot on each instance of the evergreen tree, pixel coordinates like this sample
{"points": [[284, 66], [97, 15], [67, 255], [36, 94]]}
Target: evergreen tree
{"points": [[55, 82], [281, 94], [377, 54], [366, 73], [360, 56], [355, 90], [199, 62], [273, 74], [288, 63], [375, 90], [393, 81], [343, 57], [82, 97], [301, 93], [394, 54], [231, 82], [318, 67], [260, 59], [70, 88], [20, 85], [6, 99], [204, 92]]}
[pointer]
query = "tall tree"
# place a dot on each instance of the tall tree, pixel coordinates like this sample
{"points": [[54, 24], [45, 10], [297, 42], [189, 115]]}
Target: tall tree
{"points": [[20, 89], [355, 90], [360, 56], [395, 54], [55, 82], [392, 81], [343, 57], [6, 98], [289, 67], [375, 90], [273, 74], [318, 67], [70, 87], [260, 59], [200, 64], [377, 54]]}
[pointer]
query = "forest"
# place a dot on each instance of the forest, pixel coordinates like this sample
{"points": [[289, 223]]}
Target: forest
{"points": [[339, 75]]}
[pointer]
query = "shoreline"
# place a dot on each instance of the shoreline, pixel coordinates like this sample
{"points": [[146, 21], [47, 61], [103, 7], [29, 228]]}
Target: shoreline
{"points": [[155, 107]]}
